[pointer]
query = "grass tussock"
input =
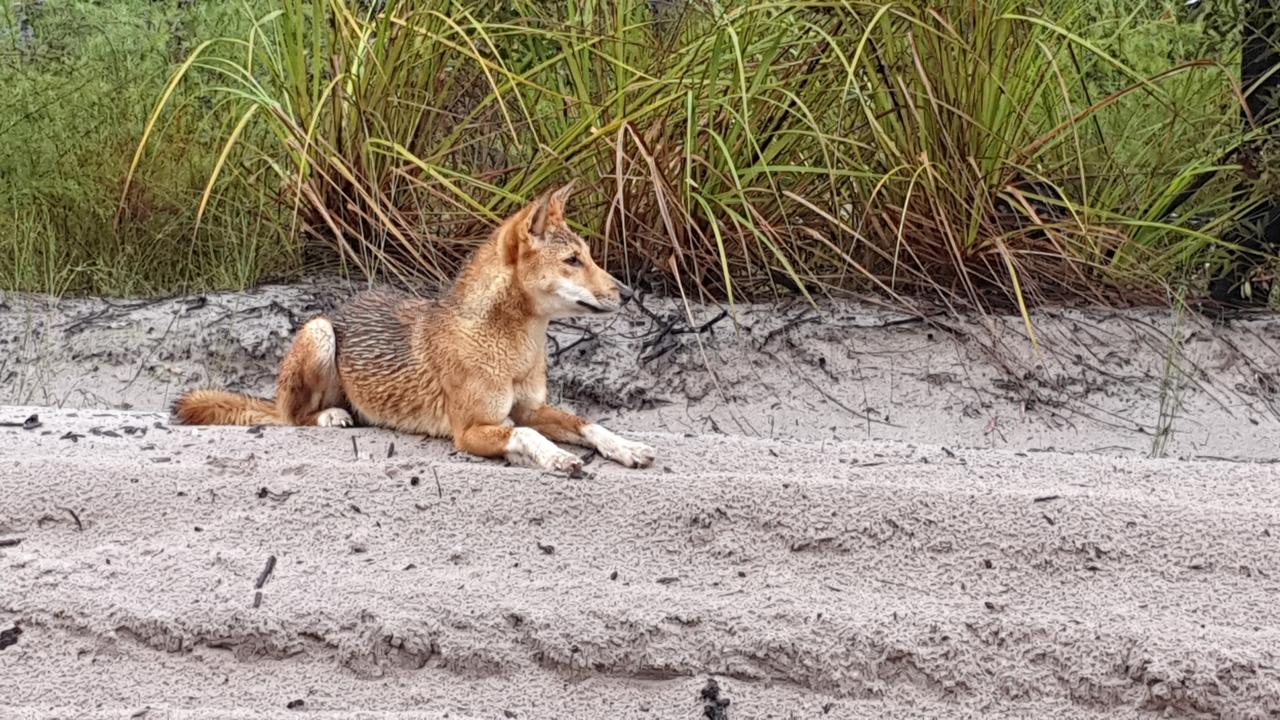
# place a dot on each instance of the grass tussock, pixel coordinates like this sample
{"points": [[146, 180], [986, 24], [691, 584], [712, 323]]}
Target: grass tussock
{"points": [[977, 152], [79, 81]]}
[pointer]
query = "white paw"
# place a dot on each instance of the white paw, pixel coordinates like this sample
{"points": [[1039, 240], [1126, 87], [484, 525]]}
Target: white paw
{"points": [[631, 454], [528, 447], [618, 449], [564, 462], [334, 417]]}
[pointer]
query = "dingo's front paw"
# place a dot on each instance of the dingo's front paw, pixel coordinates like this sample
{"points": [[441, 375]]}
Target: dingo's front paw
{"points": [[334, 417], [618, 449], [565, 462], [528, 447], [630, 453]]}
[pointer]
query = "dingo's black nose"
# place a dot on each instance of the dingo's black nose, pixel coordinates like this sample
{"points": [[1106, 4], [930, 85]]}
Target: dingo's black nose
{"points": [[623, 291]]}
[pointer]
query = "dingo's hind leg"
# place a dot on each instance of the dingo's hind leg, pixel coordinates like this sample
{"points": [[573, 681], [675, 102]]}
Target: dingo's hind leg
{"points": [[308, 391]]}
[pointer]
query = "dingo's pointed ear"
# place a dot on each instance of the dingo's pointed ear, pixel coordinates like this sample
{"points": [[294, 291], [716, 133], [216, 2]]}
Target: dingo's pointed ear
{"points": [[520, 231], [541, 217], [555, 207]]}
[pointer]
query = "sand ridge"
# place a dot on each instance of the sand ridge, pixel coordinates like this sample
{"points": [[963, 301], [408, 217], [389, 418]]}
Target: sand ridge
{"points": [[854, 514], [1136, 382], [868, 578]]}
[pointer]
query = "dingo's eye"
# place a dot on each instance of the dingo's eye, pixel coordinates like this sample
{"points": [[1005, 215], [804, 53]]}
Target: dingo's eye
{"points": [[573, 261]]}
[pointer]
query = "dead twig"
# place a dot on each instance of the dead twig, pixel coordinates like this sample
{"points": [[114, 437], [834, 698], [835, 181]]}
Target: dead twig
{"points": [[830, 398], [675, 326], [264, 493], [588, 336], [784, 328], [266, 572], [31, 423], [724, 313], [74, 516]]}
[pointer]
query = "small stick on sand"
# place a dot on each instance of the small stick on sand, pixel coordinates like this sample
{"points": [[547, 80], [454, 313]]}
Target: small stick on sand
{"points": [[265, 574], [355, 448], [10, 542], [74, 516], [588, 336], [31, 423]]}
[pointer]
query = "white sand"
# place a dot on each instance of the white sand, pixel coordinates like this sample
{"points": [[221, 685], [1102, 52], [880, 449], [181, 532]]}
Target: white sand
{"points": [[814, 563]]}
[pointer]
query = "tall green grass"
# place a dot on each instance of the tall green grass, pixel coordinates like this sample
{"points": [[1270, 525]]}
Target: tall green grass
{"points": [[978, 151], [77, 83], [975, 151]]}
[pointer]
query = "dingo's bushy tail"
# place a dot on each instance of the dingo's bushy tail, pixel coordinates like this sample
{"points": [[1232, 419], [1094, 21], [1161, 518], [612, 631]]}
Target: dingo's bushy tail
{"points": [[216, 407]]}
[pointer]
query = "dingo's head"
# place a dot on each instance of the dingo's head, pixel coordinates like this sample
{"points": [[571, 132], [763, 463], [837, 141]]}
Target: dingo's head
{"points": [[553, 266]]}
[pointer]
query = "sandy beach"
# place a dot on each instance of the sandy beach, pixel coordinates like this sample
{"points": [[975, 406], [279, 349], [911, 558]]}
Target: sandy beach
{"points": [[856, 515]]}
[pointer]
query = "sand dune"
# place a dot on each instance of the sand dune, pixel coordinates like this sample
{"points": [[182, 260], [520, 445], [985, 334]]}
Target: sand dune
{"points": [[853, 515], [858, 579]]}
